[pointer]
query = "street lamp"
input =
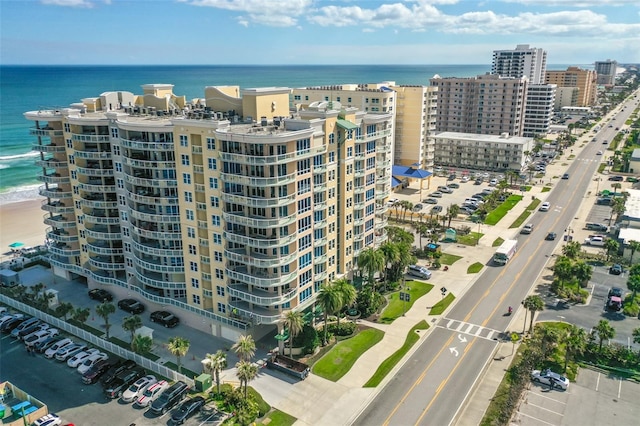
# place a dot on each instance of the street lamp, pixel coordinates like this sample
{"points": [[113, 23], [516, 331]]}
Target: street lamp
{"points": [[597, 185], [478, 234], [568, 237]]}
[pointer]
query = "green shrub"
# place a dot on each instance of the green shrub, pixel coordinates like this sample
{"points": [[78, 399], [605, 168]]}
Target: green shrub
{"points": [[308, 340], [631, 309], [263, 407], [347, 328]]}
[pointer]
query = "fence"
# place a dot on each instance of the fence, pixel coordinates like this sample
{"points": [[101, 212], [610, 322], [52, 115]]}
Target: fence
{"points": [[91, 338]]}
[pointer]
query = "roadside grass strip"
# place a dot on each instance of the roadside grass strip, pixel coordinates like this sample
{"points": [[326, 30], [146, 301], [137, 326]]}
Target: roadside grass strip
{"points": [[497, 242], [440, 307], [525, 214], [339, 360], [449, 259], [475, 268], [388, 364], [500, 211], [471, 239], [546, 189], [395, 307], [278, 418]]}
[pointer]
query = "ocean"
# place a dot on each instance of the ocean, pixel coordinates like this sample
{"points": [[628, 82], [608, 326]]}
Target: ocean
{"points": [[29, 88]]}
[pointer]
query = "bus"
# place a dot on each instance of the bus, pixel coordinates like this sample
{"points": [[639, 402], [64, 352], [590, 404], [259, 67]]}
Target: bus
{"points": [[505, 252]]}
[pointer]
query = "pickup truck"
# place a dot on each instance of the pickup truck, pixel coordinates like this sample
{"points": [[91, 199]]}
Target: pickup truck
{"points": [[595, 240]]}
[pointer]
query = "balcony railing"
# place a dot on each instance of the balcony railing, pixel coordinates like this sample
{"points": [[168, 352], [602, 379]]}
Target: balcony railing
{"points": [[86, 171], [56, 207], [270, 159], [52, 163], [152, 265], [260, 297], [89, 138], [103, 262], [156, 218], [93, 155], [48, 148], [103, 249], [147, 146], [101, 233], [260, 242], [47, 133], [63, 250], [254, 314], [156, 280], [61, 236], [257, 202], [97, 187], [60, 221], [260, 182], [151, 183], [53, 192], [260, 261], [261, 280], [375, 135], [257, 222]]}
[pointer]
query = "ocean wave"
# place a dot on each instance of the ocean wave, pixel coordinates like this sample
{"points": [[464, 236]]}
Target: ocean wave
{"points": [[4, 166], [17, 156], [21, 193]]}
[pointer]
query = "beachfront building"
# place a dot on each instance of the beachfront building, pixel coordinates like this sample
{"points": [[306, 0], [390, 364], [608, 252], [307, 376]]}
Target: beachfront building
{"points": [[472, 151], [230, 209], [584, 80], [522, 61], [566, 97], [487, 104], [606, 72], [539, 110], [412, 107]]}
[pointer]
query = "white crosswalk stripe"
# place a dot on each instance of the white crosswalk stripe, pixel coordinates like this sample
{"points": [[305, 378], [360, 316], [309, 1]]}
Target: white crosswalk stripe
{"points": [[469, 329]]}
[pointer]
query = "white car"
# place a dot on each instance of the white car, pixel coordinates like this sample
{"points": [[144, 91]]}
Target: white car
{"points": [[152, 393], [595, 240], [51, 352], [80, 357], [464, 179], [547, 377], [137, 389], [50, 419], [493, 182], [91, 361], [39, 336], [544, 207], [69, 351], [9, 317], [445, 189]]}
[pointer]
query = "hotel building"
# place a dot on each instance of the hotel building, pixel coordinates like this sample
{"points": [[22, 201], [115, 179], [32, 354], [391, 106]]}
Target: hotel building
{"points": [[584, 80], [228, 210], [524, 61], [606, 72]]}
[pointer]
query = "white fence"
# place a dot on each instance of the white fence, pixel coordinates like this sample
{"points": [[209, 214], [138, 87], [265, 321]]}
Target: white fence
{"points": [[91, 338]]}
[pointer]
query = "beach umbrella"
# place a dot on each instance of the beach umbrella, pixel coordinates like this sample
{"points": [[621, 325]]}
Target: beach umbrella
{"points": [[16, 245]]}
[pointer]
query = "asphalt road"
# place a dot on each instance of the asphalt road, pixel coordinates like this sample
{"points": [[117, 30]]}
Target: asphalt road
{"points": [[434, 383]]}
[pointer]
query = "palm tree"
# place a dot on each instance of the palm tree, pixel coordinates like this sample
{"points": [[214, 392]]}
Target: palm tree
{"points": [[329, 301], [611, 246], [399, 235], [131, 324], [246, 371], [548, 338], [216, 363], [452, 211], [397, 205], [571, 249], [245, 347], [64, 309], [294, 322], [81, 315], [533, 304], [636, 335], [346, 292], [141, 344], [178, 346], [421, 229], [633, 246], [575, 342], [391, 254], [104, 310], [371, 260], [633, 284], [618, 207], [583, 272], [604, 330], [563, 270]]}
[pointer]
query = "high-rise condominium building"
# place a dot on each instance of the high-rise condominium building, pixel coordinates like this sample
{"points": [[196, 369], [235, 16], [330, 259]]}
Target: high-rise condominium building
{"points": [[539, 109], [229, 210], [524, 61], [584, 80], [487, 104], [413, 109], [606, 71]]}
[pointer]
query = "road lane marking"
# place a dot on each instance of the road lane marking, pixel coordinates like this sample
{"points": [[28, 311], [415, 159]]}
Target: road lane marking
{"points": [[598, 382], [468, 330]]}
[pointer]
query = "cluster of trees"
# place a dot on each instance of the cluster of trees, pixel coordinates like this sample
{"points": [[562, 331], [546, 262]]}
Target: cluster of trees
{"points": [[632, 302], [571, 275]]}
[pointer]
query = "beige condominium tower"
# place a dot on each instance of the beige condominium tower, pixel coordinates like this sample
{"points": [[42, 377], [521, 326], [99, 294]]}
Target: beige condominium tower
{"points": [[228, 210], [584, 80]]}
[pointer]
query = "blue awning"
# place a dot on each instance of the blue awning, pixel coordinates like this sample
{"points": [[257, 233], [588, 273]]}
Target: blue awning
{"points": [[409, 172], [395, 182]]}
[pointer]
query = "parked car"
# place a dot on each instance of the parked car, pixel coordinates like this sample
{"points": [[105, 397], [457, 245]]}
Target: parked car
{"points": [[604, 201], [478, 182], [42, 346], [551, 236], [616, 178], [445, 189], [436, 209], [152, 393], [454, 185], [187, 409], [595, 240], [452, 177], [121, 382], [94, 359], [165, 318], [548, 377], [96, 372], [25, 324], [40, 336], [131, 305], [51, 352], [464, 179], [138, 388], [116, 369], [392, 201], [493, 182], [169, 398], [32, 329], [419, 271], [615, 269], [430, 201], [528, 228], [80, 357], [69, 351], [599, 153], [615, 291], [10, 325], [436, 194], [418, 207], [544, 207], [51, 419], [596, 227], [100, 295], [8, 317]]}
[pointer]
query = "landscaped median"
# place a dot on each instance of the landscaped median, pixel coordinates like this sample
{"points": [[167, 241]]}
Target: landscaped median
{"points": [[500, 211], [525, 214], [396, 308]]}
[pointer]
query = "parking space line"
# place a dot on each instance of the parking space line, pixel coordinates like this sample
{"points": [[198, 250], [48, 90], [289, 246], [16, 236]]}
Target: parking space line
{"points": [[546, 397], [545, 409], [535, 418], [598, 382], [619, 387]]}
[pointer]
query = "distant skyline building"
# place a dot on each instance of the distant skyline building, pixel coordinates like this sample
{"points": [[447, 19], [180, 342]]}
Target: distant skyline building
{"points": [[584, 80], [523, 61], [606, 72], [487, 104]]}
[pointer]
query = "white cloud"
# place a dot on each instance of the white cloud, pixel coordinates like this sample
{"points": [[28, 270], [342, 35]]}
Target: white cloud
{"points": [[70, 3], [575, 3], [272, 13]]}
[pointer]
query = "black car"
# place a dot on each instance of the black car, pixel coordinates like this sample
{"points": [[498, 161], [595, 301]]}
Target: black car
{"points": [[615, 269], [169, 398], [551, 236], [187, 409], [96, 372], [121, 382], [100, 295], [616, 178], [165, 318], [11, 324], [565, 176], [116, 369], [615, 291], [131, 305]]}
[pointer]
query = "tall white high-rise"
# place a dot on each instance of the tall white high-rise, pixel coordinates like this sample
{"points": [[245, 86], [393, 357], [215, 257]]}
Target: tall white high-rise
{"points": [[524, 61]]}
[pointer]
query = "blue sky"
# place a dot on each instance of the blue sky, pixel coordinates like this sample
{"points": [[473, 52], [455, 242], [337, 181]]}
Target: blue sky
{"points": [[211, 32]]}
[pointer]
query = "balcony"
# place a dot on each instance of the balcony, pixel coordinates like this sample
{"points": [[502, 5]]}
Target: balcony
{"points": [[319, 205], [103, 232], [147, 146], [77, 137], [48, 148], [150, 232], [71, 267], [155, 279], [99, 203], [60, 221], [61, 236], [375, 135], [156, 218], [148, 164], [152, 263], [255, 314], [52, 163], [359, 173], [320, 241], [107, 263], [46, 132], [53, 192], [260, 182], [103, 248], [93, 155], [319, 187], [260, 241], [258, 221], [319, 168], [101, 219], [319, 259], [381, 209], [117, 278], [155, 248], [252, 159], [260, 279], [151, 183], [260, 297], [381, 164], [90, 171], [56, 207], [256, 201], [62, 249], [359, 205], [319, 224], [96, 188], [259, 260], [148, 197]]}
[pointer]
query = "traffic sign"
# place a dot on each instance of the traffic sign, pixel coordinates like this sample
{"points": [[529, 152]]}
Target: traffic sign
{"points": [[406, 297]]}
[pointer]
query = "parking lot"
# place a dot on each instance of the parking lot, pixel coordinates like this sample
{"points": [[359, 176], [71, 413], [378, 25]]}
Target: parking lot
{"points": [[61, 389], [594, 399]]}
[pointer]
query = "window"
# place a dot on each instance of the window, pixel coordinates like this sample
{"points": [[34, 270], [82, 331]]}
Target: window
{"points": [[215, 202], [114, 133], [349, 152], [304, 223], [213, 183], [219, 274], [304, 166], [304, 186], [185, 160], [222, 308], [184, 140], [195, 283], [217, 238], [211, 143], [213, 164], [196, 299], [193, 266], [305, 260], [186, 178], [220, 290], [217, 256], [188, 196], [118, 167], [215, 220], [304, 205], [189, 214], [192, 249], [305, 294], [303, 145], [191, 232], [304, 242]]}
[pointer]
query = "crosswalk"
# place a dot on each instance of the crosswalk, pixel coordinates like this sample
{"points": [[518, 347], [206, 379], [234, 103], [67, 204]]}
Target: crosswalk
{"points": [[470, 329]]}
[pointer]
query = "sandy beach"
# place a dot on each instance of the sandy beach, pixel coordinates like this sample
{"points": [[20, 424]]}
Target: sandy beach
{"points": [[21, 221]]}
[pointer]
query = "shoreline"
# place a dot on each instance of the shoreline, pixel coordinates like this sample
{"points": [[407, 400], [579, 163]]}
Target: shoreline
{"points": [[21, 221]]}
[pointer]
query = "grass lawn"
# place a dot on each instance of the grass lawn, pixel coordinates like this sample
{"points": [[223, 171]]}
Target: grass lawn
{"points": [[339, 360], [449, 259], [475, 268], [471, 239], [601, 167], [278, 418], [499, 212], [525, 214], [497, 242], [439, 307], [396, 307], [546, 189], [388, 364]]}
